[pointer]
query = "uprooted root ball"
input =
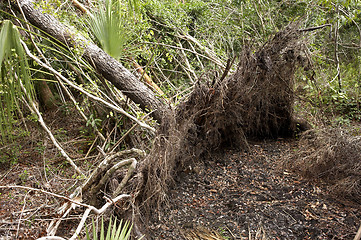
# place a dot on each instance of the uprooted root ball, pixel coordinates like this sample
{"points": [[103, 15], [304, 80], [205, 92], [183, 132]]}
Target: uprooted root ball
{"points": [[332, 156], [255, 101]]}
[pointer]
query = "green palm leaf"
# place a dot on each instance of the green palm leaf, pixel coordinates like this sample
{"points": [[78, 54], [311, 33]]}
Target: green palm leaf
{"points": [[109, 25], [13, 68], [114, 232]]}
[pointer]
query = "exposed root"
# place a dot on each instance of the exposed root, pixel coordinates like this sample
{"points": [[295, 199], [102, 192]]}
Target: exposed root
{"points": [[256, 101], [90, 190]]}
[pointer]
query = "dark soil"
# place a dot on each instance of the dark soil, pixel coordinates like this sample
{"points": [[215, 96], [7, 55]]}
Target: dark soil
{"points": [[244, 195]]}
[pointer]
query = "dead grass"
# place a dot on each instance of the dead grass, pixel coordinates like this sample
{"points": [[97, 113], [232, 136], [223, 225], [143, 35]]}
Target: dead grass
{"points": [[330, 155]]}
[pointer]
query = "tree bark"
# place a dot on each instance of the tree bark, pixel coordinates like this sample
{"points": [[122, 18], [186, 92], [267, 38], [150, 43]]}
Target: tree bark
{"points": [[108, 67]]}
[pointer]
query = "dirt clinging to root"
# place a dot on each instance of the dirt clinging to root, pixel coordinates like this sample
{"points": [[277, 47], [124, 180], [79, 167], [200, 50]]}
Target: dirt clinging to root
{"points": [[255, 101]]}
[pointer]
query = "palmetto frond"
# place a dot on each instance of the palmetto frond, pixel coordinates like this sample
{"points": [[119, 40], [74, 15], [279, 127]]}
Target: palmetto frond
{"points": [[114, 232], [108, 27], [13, 68]]}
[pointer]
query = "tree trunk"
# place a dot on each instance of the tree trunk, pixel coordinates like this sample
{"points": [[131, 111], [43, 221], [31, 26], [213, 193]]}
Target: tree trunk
{"points": [[107, 66], [46, 96]]}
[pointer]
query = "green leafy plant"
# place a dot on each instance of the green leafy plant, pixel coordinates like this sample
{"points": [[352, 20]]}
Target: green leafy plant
{"points": [[108, 26], [94, 122], [114, 232], [24, 176], [10, 155], [14, 72]]}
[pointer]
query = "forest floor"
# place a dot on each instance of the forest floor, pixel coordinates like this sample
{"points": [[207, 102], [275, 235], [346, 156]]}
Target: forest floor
{"points": [[232, 195], [246, 195]]}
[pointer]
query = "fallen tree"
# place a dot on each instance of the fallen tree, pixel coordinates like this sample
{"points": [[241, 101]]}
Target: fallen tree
{"points": [[254, 102]]}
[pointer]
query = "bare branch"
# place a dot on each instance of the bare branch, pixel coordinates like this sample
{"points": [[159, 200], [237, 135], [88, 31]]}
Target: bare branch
{"points": [[33, 108], [358, 234], [86, 213], [314, 28], [81, 224], [210, 54], [105, 164], [108, 67]]}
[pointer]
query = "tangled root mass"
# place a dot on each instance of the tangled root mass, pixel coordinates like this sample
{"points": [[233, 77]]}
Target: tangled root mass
{"points": [[255, 101]]}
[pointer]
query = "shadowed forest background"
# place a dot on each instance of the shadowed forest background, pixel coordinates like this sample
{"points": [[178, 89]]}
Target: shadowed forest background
{"points": [[186, 119]]}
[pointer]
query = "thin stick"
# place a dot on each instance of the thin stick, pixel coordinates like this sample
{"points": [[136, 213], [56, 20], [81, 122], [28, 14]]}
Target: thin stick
{"points": [[53, 226], [57, 78], [200, 62], [49, 193], [211, 58], [110, 172], [358, 234], [187, 62], [81, 7], [34, 109], [186, 70], [86, 214], [21, 215], [81, 224], [358, 28], [79, 109], [314, 28], [145, 75], [125, 134], [126, 178], [337, 60], [104, 165], [228, 67], [96, 210], [210, 54], [122, 138]]}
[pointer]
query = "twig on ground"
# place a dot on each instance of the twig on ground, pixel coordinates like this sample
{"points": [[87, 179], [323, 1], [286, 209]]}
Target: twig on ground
{"points": [[358, 234], [51, 238], [86, 213], [33, 108], [21, 214], [49, 193]]}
